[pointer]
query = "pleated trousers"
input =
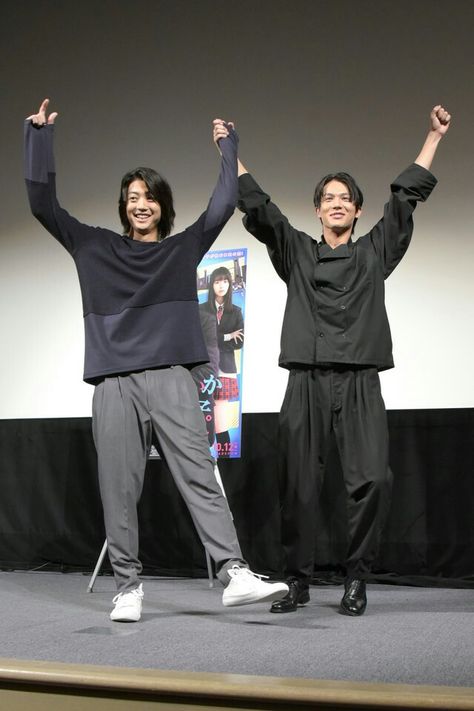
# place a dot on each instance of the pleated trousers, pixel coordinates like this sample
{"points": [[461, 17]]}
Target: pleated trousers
{"points": [[348, 402], [126, 410]]}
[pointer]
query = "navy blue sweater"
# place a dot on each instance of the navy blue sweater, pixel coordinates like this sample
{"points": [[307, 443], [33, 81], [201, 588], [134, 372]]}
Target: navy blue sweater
{"points": [[139, 298]]}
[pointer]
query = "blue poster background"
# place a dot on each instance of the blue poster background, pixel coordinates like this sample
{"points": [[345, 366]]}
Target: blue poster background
{"points": [[224, 416]]}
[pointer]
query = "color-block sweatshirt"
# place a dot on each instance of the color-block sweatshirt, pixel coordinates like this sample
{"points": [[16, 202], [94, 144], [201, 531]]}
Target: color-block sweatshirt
{"points": [[139, 298]]}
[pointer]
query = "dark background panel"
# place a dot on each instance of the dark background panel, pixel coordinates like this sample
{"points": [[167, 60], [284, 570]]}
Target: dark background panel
{"points": [[50, 512]]}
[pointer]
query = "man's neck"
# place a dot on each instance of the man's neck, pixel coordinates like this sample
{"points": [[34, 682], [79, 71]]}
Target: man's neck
{"points": [[146, 237], [334, 239]]}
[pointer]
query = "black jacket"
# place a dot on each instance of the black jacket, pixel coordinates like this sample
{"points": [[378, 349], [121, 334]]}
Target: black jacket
{"points": [[232, 320], [335, 310]]}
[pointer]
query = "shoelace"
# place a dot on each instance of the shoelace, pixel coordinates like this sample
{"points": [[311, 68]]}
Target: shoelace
{"points": [[135, 593], [237, 570]]}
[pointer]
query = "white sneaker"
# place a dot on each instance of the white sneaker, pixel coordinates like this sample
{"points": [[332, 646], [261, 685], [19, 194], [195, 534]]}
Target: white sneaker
{"points": [[128, 606], [246, 587]]}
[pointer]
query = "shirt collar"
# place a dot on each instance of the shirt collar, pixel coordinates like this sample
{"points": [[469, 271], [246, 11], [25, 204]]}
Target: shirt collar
{"points": [[341, 252]]}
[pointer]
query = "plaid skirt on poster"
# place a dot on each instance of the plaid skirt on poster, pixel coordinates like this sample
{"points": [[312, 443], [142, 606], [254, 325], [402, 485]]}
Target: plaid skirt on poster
{"points": [[229, 389]]}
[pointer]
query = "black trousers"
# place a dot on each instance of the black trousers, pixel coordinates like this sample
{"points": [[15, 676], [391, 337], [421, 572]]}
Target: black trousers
{"points": [[347, 401]]}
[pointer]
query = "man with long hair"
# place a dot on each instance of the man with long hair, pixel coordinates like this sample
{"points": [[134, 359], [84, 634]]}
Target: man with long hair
{"points": [[142, 337], [335, 339]]}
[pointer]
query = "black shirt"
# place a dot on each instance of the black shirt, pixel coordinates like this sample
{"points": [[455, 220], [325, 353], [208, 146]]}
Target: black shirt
{"points": [[335, 310]]}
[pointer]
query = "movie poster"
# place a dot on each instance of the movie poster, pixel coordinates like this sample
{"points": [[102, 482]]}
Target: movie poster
{"points": [[221, 279]]}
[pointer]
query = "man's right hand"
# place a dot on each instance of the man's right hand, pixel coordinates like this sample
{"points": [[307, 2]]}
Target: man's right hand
{"points": [[220, 130], [40, 119]]}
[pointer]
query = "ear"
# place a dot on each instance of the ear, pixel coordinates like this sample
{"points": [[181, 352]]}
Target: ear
{"points": [[358, 213], [318, 212]]}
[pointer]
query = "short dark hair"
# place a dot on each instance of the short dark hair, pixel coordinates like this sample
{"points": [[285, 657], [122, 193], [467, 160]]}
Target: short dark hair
{"points": [[354, 191], [220, 273], [160, 191]]}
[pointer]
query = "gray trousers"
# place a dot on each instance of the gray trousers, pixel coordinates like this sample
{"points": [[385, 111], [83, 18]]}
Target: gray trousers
{"points": [[126, 409]]}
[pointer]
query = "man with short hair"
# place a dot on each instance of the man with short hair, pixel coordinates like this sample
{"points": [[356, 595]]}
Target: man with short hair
{"points": [[335, 338], [142, 337]]}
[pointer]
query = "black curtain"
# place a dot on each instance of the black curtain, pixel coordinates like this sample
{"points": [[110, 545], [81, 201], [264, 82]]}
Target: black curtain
{"points": [[50, 512]]}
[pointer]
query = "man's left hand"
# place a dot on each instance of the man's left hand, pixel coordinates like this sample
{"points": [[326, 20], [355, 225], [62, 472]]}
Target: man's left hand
{"points": [[440, 119]]}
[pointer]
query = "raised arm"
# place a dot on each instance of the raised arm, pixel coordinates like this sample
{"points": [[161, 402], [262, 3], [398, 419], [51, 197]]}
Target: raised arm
{"points": [[224, 197], [440, 120], [392, 234], [39, 159], [241, 169], [40, 181], [265, 221]]}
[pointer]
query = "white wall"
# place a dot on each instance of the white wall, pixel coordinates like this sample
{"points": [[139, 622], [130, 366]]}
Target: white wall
{"points": [[312, 89]]}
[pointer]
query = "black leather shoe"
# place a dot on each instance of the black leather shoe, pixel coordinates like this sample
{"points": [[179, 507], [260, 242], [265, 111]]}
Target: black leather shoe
{"points": [[354, 600], [298, 595]]}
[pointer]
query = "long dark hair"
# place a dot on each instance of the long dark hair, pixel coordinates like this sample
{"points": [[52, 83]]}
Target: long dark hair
{"points": [[160, 191], [220, 273]]}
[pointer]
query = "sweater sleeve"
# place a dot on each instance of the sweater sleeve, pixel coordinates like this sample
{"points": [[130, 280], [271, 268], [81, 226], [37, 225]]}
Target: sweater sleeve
{"points": [[224, 197], [264, 220], [391, 236], [40, 178]]}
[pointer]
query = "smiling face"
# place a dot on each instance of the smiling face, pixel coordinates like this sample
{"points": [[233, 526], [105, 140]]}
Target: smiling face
{"points": [[337, 210], [143, 212]]}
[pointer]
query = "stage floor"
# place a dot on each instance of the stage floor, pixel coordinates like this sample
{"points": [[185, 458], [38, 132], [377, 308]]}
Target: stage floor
{"points": [[408, 635]]}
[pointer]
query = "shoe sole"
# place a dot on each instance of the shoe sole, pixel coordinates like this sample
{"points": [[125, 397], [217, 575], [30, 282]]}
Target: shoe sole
{"points": [[122, 616], [342, 611], [125, 619], [250, 599]]}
